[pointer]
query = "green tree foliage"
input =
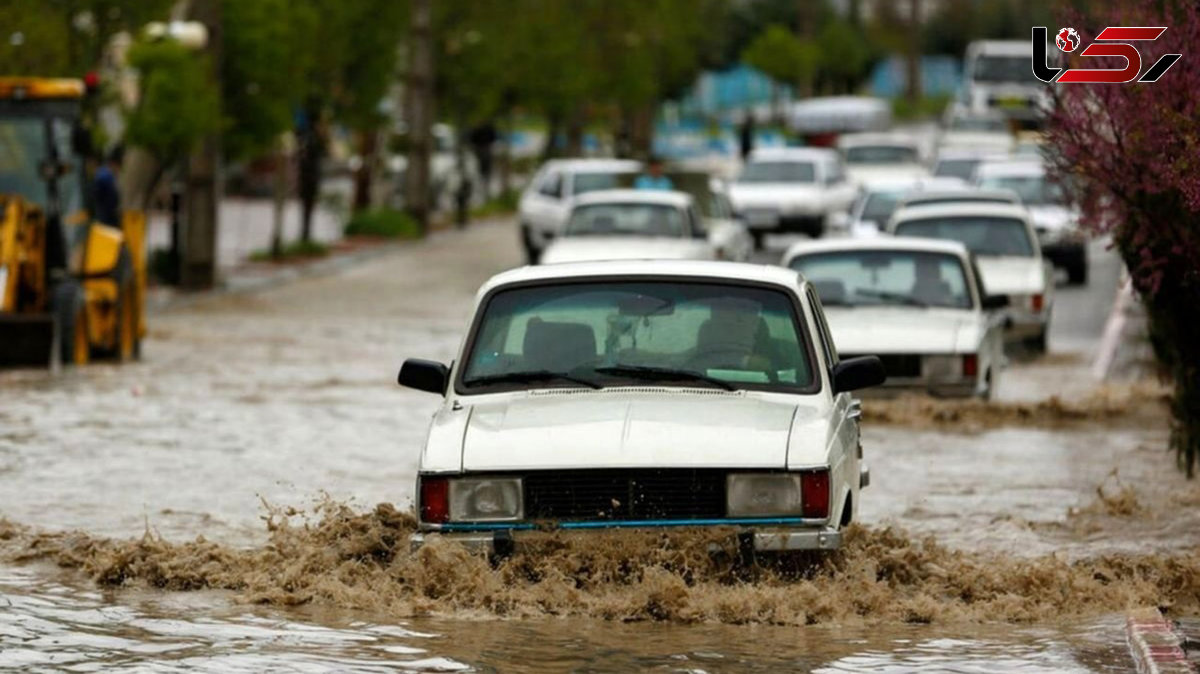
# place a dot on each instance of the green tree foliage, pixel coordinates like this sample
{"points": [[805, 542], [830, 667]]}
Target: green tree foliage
{"points": [[178, 104], [65, 38], [845, 54], [784, 57]]}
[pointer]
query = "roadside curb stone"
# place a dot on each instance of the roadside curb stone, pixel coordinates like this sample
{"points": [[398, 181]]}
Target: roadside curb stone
{"points": [[1155, 644]]}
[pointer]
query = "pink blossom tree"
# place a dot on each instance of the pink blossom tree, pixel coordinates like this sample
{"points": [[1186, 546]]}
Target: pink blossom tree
{"points": [[1135, 149]]}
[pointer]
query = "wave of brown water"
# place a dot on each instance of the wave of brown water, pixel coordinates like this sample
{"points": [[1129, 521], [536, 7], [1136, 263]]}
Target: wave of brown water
{"points": [[1111, 404], [355, 560]]}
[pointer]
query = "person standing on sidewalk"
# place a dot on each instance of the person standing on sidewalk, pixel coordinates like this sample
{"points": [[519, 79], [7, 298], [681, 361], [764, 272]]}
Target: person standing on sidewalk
{"points": [[653, 179], [106, 191]]}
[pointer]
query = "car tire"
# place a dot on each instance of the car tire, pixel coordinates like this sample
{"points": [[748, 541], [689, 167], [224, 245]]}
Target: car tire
{"points": [[1077, 274], [760, 239], [1037, 343], [532, 253], [70, 323]]}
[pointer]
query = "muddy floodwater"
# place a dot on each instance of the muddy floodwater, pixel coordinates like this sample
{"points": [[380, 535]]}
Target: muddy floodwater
{"points": [[238, 501]]}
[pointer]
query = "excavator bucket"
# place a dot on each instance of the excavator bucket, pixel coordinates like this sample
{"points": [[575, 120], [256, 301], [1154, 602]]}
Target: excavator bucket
{"points": [[26, 340]]}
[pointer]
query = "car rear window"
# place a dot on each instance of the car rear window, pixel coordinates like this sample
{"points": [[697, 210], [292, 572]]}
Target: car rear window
{"points": [[990, 235]]}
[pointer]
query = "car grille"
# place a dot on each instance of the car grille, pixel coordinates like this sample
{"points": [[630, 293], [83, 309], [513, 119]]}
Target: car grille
{"points": [[621, 494], [899, 364]]}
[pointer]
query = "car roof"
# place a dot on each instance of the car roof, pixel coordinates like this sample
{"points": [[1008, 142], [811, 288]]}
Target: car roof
{"points": [[908, 243], [793, 153], [960, 209], [621, 269], [596, 165], [870, 138], [965, 192], [1011, 167], [627, 196]]}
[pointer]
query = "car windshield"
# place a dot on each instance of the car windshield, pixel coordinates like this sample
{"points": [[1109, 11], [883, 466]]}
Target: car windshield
{"points": [[778, 172], [879, 206], [881, 154], [965, 123], [965, 198], [620, 332], [983, 235], [23, 148], [626, 220], [1034, 190], [955, 168], [1003, 69], [892, 277], [594, 182]]}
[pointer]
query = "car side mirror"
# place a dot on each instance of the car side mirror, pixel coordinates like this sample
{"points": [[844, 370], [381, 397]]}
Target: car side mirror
{"points": [[992, 302], [424, 375], [853, 374]]}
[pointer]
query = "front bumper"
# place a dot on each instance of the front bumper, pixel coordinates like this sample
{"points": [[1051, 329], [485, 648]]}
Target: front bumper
{"points": [[769, 539]]}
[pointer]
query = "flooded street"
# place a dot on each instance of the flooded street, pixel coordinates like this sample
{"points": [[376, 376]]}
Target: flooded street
{"points": [[247, 412]]}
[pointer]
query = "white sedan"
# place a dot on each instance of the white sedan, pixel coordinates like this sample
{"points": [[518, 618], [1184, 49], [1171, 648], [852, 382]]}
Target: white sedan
{"points": [[643, 395], [871, 156], [643, 225], [916, 303], [1007, 252]]}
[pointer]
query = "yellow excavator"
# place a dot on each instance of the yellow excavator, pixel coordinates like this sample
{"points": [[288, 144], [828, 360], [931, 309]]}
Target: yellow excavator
{"points": [[71, 289]]}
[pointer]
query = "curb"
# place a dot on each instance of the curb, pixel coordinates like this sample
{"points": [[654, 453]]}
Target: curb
{"points": [[1154, 643]]}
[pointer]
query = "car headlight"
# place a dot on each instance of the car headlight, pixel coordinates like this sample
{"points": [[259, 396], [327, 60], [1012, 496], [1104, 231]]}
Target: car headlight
{"points": [[486, 500], [763, 494]]}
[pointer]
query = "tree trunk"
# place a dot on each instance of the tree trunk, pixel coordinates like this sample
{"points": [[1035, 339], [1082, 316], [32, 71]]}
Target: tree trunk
{"points": [[203, 184], [575, 124], [308, 157], [367, 146], [419, 114], [912, 59], [279, 195]]}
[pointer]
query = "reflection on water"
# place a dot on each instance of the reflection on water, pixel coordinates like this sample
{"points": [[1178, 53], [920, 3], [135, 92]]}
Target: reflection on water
{"points": [[50, 622]]}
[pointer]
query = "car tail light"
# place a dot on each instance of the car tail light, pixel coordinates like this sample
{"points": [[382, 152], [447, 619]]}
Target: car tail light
{"points": [[970, 365], [1036, 302], [814, 493], [435, 499]]}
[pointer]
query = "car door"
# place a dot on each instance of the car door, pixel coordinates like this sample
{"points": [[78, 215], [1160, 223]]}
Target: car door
{"points": [[846, 451]]}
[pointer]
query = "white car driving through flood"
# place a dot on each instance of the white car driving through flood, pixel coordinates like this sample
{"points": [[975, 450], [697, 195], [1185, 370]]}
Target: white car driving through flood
{"points": [[547, 200], [645, 224], [1006, 251], [644, 394], [790, 189], [918, 304], [882, 155]]}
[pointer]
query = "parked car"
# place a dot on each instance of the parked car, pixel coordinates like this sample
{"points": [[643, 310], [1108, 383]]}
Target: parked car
{"points": [[643, 394], [1054, 219], [1006, 252], [644, 224], [793, 189], [959, 195], [882, 155], [547, 200], [918, 304]]}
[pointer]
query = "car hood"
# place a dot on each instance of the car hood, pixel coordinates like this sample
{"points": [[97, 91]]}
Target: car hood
{"points": [[751, 195], [565, 428], [582, 249], [1012, 275], [890, 329]]}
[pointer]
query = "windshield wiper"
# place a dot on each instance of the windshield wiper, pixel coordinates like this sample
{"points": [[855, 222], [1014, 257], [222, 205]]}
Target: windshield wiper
{"points": [[899, 298], [663, 374], [531, 376]]}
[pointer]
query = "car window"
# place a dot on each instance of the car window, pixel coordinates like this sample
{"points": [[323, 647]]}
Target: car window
{"points": [[879, 206], [959, 199], [955, 168], [1034, 190], [629, 219], [551, 185], [886, 277], [696, 223], [997, 236], [594, 182], [827, 345], [778, 172], [881, 154], [748, 336], [836, 173]]}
